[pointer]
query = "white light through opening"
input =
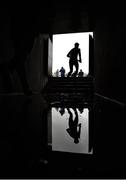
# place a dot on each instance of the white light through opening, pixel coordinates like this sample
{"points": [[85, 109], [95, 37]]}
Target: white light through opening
{"points": [[63, 43]]}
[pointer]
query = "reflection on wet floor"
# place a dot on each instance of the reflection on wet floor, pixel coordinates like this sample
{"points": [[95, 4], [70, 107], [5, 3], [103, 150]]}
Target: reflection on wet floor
{"points": [[70, 130], [66, 138]]}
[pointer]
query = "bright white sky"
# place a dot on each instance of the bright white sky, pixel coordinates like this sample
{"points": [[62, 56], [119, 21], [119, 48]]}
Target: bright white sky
{"points": [[63, 43]]}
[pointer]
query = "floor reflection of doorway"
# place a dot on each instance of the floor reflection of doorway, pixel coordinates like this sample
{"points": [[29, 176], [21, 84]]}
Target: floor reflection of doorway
{"points": [[61, 140]]}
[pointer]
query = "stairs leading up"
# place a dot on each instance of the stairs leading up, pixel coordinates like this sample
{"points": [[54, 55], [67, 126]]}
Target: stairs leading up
{"points": [[69, 85], [72, 91]]}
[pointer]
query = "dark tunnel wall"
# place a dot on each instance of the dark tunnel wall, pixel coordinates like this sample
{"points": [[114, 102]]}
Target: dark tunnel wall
{"points": [[110, 57], [7, 50], [109, 29], [18, 35]]}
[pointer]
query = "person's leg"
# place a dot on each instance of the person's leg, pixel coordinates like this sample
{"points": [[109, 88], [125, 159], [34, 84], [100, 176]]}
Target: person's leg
{"points": [[71, 68], [77, 67], [70, 118], [76, 117]]}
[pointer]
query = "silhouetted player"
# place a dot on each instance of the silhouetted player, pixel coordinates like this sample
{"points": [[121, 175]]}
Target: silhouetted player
{"points": [[73, 126], [73, 61], [62, 71], [62, 111]]}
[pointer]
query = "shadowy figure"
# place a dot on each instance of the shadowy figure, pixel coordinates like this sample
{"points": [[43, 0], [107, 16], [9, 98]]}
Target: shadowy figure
{"points": [[73, 126], [73, 61], [81, 73], [57, 73], [62, 72], [62, 111]]}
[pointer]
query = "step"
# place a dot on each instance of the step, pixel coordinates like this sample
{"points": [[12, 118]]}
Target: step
{"points": [[69, 90], [71, 78], [70, 83]]}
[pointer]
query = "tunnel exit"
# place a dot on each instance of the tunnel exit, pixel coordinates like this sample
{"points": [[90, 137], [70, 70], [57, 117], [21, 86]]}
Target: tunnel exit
{"points": [[62, 44]]}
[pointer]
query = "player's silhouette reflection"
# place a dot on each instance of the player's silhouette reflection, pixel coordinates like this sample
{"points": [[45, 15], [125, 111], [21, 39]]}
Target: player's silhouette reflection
{"points": [[62, 111], [74, 129], [81, 109], [57, 109]]}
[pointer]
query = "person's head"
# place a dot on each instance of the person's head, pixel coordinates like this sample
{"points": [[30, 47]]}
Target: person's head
{"points": [[76, 141], [76, 45], [62, 111]]}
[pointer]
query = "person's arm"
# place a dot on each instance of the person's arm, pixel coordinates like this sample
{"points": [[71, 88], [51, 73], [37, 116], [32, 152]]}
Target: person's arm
{"points": [[69, 54], [79, 132]]}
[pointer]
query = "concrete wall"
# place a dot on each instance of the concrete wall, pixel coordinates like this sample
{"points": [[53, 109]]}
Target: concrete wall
{"points": [[36, 64], [110, 58], [67, 22], [6, 47], [25, 42], [50, 58]]}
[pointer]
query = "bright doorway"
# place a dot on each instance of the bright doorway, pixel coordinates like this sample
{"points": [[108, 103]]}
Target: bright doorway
{"points": [[63, 43]]}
